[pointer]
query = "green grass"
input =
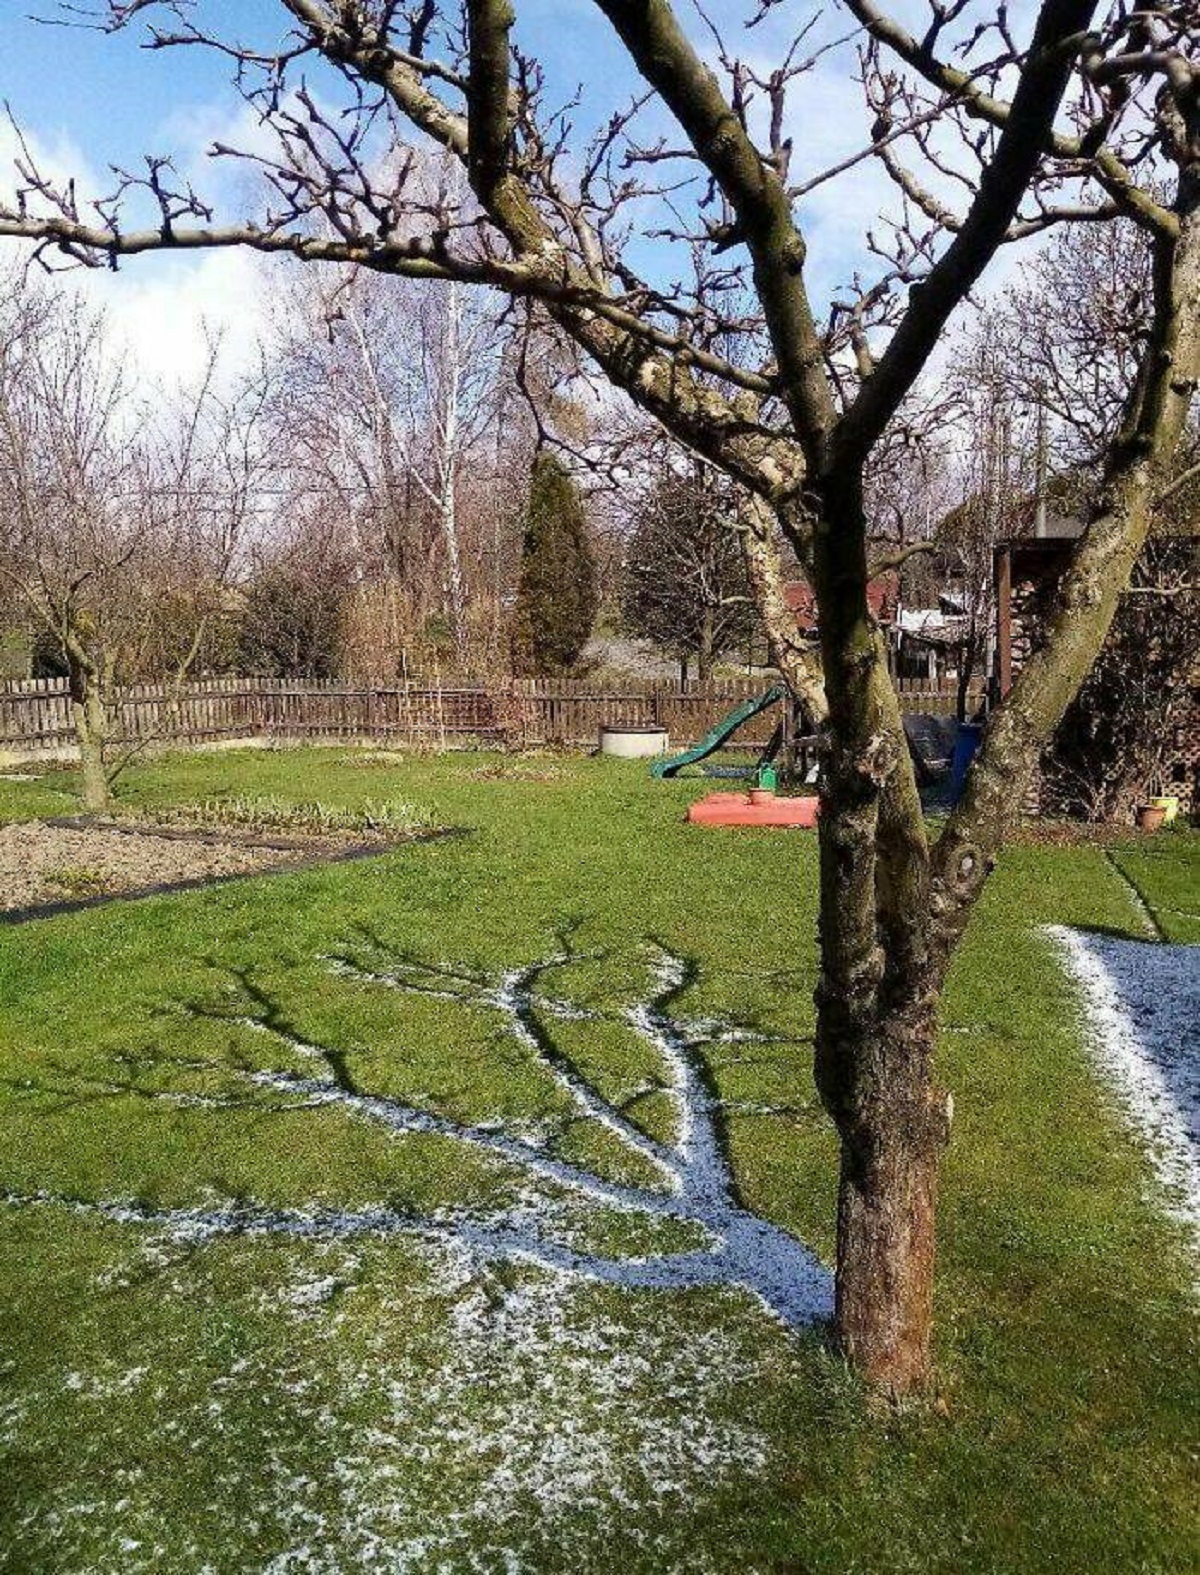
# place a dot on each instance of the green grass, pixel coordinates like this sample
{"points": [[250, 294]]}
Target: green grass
{"points": [[380, 1400], [1165, 870]]}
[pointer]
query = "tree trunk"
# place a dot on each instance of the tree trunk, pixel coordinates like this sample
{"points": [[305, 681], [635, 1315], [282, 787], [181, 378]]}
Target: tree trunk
{"points": [[447, 468], [968, 653], [454, 569], [90, 716], [704, 656], [891, 1147]]}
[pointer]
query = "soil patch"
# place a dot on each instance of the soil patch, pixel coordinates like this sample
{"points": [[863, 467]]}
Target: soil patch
{"points": [[1076, 833], [51, 866]]}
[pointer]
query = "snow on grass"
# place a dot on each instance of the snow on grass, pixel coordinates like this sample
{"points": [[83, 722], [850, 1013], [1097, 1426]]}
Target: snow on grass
{"points": [[588, 1355], [1143, 1008], [548, 1408], [434, 1415]]}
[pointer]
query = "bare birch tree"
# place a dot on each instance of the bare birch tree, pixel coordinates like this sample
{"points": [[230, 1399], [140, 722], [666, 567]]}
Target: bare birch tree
{"points": [[388, 399], [990, 132]]}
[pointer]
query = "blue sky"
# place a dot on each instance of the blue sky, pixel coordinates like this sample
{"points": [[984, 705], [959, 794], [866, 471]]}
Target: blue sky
{"points": [[111, 95], [89, 101]]}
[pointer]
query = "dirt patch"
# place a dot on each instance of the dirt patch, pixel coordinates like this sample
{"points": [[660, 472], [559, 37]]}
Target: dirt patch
{"points": [[534, 768], [1075, 833], [50, 866]]}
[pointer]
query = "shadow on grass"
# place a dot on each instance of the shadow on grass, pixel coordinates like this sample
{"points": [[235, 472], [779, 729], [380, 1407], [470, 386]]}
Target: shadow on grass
{"points": [[694, 1185]]}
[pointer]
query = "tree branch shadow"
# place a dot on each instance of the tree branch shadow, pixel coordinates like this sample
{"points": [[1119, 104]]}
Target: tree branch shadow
{"points": [[695, 1184]]}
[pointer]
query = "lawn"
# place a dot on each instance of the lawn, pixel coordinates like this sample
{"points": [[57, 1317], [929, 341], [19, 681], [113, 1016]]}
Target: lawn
{"points": [[295, 1334]]}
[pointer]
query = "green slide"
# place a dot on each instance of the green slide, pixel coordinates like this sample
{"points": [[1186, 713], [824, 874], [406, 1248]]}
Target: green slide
{"points": [[723, 731]]}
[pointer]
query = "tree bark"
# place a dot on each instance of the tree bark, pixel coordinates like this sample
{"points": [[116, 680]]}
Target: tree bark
{"points": [[893, 1123], [89, 714], [875, 1004], [875, 1076], [704, 656]]}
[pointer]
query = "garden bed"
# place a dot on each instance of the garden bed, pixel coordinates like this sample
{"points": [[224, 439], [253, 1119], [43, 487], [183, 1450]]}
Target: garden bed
{"points": [[51, 866]]}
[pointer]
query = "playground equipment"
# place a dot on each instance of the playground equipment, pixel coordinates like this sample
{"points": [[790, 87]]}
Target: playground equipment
{"points": [[759, 807], [722, 733]]}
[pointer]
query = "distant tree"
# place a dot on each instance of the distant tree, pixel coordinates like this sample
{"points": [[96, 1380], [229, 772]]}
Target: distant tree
{"points": [[390, 407], [1119, 737], [1057, 356], [998, 474], [685, 587], [1066, 338], [558, 593], [16, 647], [119, 520], [294, 608]]}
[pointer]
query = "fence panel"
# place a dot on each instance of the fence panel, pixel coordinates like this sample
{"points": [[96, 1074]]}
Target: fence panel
{"points": [[35, 714]]}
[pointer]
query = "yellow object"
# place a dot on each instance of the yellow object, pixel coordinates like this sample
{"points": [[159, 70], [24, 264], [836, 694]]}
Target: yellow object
{"points": [[1169, 807]]}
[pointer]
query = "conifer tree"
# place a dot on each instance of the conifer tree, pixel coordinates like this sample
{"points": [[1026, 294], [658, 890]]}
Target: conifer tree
{"points": [[558, 593]]}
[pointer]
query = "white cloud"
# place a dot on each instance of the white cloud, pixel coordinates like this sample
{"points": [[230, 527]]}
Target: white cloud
{"points": [[58, 159], [166, 319]]}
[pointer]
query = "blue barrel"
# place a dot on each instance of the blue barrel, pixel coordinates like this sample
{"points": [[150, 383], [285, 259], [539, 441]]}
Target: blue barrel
{"points": [[966, 743]]}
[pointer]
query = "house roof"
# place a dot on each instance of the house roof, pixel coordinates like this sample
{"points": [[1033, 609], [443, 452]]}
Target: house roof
{"points": [[932, 624], [883, 594]]}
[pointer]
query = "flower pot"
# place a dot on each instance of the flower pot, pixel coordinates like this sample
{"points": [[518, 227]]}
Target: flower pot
{"points": [[1169, 805], [1150, 817]]}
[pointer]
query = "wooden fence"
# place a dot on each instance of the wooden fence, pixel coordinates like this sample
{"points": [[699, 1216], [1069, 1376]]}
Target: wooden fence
{"points": [[35, 714]]}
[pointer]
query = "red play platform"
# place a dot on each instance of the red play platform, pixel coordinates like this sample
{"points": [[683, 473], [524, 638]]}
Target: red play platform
{"points": [[756, 808]]}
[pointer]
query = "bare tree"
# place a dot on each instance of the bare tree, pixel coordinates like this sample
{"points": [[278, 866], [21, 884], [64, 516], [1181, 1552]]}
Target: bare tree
{"points": [[388, 404], [118, 527], [999, 471], [988, 137], [293, 600], [1067, 338], [1120, 738], [67, 548], [685, 587]]}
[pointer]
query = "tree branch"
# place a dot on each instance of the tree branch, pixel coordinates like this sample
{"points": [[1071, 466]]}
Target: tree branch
{"points": [[489, 122], [666, 58], [1004, 181], [1109, 168]]}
